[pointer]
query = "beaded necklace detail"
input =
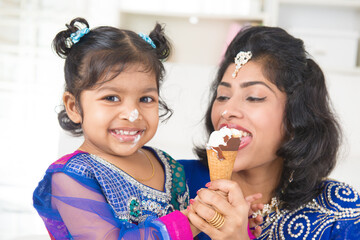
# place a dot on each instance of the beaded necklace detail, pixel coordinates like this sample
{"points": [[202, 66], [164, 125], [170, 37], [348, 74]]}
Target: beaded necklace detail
{"points": [[268, 208]]}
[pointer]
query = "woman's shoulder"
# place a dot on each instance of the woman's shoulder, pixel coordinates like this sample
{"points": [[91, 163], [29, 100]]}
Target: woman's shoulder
{"points": [[333, 214], [341, 201], [339, 196]]}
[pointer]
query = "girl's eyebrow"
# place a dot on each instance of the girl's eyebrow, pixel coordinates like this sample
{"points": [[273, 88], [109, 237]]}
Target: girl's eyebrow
{"points": [[151, 89], [111, 88]]}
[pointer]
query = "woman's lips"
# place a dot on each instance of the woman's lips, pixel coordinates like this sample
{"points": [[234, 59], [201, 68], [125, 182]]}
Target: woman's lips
{"points": [[246, 136]]}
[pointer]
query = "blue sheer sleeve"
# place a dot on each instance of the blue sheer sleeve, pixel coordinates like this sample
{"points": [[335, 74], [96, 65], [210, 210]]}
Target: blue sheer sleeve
{"points": [[81, 198], [81, 212]]}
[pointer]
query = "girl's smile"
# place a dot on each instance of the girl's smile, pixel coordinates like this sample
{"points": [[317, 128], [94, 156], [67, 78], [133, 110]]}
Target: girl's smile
{"points": [[127, 135], [120, 115]]}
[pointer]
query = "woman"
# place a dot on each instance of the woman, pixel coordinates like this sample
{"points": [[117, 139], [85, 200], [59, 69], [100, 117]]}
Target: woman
{"points": [[277, 95]]}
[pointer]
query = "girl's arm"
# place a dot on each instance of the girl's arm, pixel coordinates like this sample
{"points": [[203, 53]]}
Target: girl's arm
{"points": [[87, 215]]}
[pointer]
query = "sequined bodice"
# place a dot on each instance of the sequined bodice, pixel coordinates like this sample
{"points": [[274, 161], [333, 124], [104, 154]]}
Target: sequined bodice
{"points": [[332, 213], [130, 200]]}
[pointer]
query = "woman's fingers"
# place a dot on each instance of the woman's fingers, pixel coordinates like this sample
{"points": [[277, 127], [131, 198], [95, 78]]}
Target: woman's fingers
{"points": [[203, 209], [214, 200], [257, 231], [200, 223], [231, 188], [253, 197]]}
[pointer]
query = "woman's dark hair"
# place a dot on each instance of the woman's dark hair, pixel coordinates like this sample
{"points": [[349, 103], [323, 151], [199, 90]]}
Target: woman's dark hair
{"points": [[312, 133], [104, 53]]}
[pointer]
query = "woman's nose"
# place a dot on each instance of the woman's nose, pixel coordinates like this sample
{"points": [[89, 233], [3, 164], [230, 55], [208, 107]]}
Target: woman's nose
{"points": [[232, 109]]}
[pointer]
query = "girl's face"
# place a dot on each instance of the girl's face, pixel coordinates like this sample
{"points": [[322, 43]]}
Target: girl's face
{"points": [[253, 104], [120, 115]]}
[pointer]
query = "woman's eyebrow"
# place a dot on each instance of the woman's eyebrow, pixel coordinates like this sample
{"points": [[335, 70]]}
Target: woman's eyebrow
{"points": [[225, 84], [248, 84]]}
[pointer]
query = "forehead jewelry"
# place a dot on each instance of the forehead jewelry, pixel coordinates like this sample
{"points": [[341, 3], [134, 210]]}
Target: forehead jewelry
{"points": [[240, 60], [134, 115]]}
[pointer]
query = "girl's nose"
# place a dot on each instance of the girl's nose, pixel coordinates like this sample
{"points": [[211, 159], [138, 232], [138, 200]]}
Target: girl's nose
{"points": [[130, 113]]}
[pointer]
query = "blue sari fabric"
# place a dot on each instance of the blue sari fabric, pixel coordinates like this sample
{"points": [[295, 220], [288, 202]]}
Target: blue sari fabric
{"points": [[334, 214], [105, 200]]}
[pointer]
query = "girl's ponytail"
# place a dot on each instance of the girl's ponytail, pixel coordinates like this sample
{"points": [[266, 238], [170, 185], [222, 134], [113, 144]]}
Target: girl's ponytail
{"points": [[62, 43], [163, 46]]}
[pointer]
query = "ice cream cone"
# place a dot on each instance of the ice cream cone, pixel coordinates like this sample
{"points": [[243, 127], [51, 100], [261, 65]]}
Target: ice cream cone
{"points": [[221, 169]]}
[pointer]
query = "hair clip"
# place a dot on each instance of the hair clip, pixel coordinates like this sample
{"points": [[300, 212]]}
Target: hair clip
{"points": [[240, 60], [75, 37], [147, 39]]}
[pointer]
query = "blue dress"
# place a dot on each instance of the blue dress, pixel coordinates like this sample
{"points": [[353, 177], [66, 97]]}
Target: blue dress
{"points": [[81, 191], [334, 214]]}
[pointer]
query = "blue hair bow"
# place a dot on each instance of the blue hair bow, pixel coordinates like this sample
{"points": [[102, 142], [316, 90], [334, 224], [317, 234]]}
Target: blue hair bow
{"points": [[147, 39], [75, 37]]}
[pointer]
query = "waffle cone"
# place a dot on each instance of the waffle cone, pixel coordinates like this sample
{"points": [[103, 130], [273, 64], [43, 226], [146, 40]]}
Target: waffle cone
{"points": [[221, 169]]}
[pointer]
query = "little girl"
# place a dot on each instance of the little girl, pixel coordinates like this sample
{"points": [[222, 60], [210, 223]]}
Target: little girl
{"points": [[113, 187]]}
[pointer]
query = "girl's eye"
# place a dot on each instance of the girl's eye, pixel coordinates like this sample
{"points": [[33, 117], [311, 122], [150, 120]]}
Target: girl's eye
{"points": [[255, 99], [222, 98], [112, 99], [146, 99]]}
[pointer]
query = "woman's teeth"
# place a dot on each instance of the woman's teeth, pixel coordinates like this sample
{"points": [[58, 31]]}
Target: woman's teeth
{"points": [[244, 134]]}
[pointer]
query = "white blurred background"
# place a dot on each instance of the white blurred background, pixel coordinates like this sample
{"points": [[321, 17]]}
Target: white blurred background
{"points": [[31, 78]]}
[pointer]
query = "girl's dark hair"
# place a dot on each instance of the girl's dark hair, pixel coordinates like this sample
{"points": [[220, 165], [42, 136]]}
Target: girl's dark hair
{"points": [[312, 133], [104, 53]]}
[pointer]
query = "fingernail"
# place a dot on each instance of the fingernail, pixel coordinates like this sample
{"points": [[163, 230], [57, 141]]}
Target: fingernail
{"points": [[192, 201], [208, 184]]}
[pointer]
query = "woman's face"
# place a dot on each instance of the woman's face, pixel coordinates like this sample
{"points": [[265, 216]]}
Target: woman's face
{"points": [[251, 103]]}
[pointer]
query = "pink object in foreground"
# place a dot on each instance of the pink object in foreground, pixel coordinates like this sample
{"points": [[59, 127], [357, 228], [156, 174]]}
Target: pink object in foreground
{"points": [[177, 226], [251, 236]]}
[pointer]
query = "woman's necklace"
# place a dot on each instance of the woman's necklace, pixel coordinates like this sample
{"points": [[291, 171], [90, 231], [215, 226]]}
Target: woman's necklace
{"points": [[152, 166], [268, 208]]}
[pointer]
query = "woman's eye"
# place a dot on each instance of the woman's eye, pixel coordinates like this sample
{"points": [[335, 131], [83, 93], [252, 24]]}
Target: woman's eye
{"points": [[146, 99], [112, 99], [255, 99], [222, 98]]}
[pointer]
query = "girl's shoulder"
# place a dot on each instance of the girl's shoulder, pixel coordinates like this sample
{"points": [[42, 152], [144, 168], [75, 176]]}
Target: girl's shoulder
{"points": [[164, 157], [77, 162]]}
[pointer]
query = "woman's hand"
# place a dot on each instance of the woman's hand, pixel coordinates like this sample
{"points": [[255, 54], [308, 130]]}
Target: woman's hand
{"points": [[235, 209], [195, 231], [255, 222]]}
